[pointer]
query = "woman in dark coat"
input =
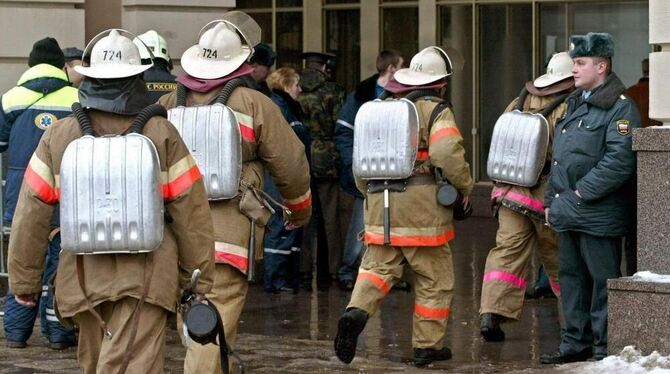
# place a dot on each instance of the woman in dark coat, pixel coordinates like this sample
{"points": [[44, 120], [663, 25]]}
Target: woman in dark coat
{"points": [[282, 242]]}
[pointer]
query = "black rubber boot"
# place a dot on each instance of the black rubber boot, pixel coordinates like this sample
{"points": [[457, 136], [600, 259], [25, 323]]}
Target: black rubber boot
{"points": [[489, 327], [425, 356], [564, 358], [351, 325]]}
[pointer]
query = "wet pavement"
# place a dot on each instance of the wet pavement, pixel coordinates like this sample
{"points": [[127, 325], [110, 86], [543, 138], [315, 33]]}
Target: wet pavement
{"points": [[287, 333]]}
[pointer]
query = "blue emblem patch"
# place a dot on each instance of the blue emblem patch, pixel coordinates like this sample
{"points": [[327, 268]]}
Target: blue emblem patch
{"points": [[45, 120]]}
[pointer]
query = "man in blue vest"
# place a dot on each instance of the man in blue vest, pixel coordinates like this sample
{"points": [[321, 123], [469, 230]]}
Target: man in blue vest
{"points": [[42, 95]]}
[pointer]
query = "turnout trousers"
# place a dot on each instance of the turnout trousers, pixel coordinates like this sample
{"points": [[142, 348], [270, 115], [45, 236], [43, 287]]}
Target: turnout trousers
{"points": [[382, 267], [228, 295], [100, 354], [586, 263], [504, 283]]}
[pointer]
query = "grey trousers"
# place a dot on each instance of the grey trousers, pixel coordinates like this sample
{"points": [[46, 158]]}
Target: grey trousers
{"points": [[586, 262]]}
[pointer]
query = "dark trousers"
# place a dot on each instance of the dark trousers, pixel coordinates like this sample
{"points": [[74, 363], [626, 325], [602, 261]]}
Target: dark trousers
{"points": [[586, 262], [19, 320]]}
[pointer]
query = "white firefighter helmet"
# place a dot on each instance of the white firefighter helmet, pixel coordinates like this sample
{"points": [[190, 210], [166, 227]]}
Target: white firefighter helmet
{"points": [[155, 42], [559, 68], [113, 55], [427, 66], [223, 46]]}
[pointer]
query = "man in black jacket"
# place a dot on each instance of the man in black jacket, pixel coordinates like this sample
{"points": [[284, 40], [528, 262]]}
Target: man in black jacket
{"points": [[388, 61], [588, 199]]}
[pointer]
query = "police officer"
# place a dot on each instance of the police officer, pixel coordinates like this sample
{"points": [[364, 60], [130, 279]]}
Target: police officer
{"points": [[159, 78], [267, 143], [421, 240], [41, 96], [117, 300], [73, 58], [587, 201], [521, 212], [321, 101], [262, 60], [388, 62]]}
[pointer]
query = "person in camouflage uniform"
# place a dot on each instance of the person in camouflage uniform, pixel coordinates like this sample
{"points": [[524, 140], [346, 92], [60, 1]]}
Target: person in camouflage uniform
{"points": [[321, 102]]}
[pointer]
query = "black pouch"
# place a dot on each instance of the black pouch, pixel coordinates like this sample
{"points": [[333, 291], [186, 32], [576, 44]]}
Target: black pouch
{"points": [[396, 185]]}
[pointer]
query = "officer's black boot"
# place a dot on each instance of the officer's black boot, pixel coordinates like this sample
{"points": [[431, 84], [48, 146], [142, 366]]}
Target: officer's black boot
{"points": [[351, 324], [489, 327], [425, 356], [564, 358]]}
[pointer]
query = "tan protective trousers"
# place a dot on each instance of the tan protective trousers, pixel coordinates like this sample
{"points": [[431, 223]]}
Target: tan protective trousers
{"points": [[99, 354], [228, 295], [507, 264], [382, 267]]}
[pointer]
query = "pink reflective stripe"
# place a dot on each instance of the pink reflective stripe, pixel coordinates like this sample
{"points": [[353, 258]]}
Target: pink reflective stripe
{"points": [[497, 192], [525, 200], [555, 287], [505, 277]]}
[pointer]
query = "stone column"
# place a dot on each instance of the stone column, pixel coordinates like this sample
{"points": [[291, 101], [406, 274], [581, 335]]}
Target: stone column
{"points": [[639, 312]]}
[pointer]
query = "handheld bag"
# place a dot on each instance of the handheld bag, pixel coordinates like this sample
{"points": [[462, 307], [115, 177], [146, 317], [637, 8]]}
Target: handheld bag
{"points": [[111, 200], [212, 135], [518, 148]]}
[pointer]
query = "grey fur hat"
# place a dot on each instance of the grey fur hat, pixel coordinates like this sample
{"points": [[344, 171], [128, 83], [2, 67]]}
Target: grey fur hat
{"points": [[593, 44]]}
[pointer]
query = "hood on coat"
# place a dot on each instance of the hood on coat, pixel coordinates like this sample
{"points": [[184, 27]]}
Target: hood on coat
{"points": [[312, 79]]}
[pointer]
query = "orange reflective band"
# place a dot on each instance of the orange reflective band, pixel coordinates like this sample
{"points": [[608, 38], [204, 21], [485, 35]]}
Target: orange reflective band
{"points": [[241, 263], [433, 313], [300, 202], [41, 188], [181, 183], [443, 133], [374, 279], [411, 241], [422, 155]]}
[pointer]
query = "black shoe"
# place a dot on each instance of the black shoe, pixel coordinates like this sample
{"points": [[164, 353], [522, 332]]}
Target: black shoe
{"points": [[59, 346], [425, 356], [287, 289], [564, 358], [346, 284], [540, 292], [351, 324], [402, 286], [13, 344], [489, 327]]}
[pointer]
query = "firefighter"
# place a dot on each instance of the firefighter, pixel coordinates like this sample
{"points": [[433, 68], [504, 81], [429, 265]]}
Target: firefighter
{"points": [[520, 212], [267, 142], [119, 301], [159, 78], [421, 240]]}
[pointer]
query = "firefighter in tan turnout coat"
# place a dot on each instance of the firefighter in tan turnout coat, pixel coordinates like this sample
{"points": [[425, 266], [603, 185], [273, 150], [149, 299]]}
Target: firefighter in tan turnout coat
{"points": [[105, 302], [521, 213], [267, 141], [420, 228]]}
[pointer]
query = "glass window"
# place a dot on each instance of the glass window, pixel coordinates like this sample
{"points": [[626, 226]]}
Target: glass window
{"points": [[400, 30], [264, 20], [342, 1], [628, 23], [343, 39], [505, 49], [455, 33], [289, 3], [246, 4], [552, 32], [289, 39]]}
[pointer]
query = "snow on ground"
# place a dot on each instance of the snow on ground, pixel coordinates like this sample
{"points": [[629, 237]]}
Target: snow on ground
{"points": [[629, 361], [648, 276]]}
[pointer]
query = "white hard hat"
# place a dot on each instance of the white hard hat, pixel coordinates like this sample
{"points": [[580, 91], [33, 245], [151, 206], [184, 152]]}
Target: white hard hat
{"points": [[220, 49], [427, 66], [113, 55], [155, 42], [559, 68]]}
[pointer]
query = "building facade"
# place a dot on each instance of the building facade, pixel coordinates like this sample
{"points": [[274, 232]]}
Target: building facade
{"points": [[502, 43]]}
